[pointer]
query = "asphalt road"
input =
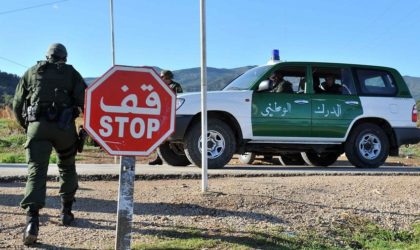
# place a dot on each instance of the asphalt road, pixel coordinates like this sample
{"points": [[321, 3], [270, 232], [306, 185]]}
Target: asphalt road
{"points": [[17, 171]]}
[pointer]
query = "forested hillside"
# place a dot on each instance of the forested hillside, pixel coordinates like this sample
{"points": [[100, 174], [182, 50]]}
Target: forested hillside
{"points": [[8, 84], [414, 86], [189, 79]]}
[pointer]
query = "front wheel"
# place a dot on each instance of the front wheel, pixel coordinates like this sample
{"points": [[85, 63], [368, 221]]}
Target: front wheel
{"points": [[172, 155], [367, 146], [221, 144], [320, 159]]}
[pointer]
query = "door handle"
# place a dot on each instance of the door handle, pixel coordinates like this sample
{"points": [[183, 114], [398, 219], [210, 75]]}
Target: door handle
{"points": [[352, 102], [301, 101]]}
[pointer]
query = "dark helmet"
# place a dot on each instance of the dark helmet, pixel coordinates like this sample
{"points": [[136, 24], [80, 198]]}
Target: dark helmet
{"points": [[167, 74], [57, 50]]}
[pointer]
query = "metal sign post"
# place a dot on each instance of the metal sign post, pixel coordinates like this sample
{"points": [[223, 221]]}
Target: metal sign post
{"points": [[125, 202], [204, 177], [111, 3], [126, 180], [111, 8]]}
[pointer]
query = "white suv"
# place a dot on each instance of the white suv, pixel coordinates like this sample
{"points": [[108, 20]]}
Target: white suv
{"points": [[366, 112]]}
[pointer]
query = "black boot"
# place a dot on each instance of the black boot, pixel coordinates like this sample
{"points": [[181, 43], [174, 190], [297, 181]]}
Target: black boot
{"points": [[66, 216], [30, 234], [157, 161]]}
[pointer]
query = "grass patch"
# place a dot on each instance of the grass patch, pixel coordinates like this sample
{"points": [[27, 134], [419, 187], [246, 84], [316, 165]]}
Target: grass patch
{"points": [[194, 238], [4, 144], [16, 140], [12, 158], [53, 158], [411, 151], [352, 233], [9, 126], [21, 158], [192, 243], [79, 158], [12, 138], [361, 233]]}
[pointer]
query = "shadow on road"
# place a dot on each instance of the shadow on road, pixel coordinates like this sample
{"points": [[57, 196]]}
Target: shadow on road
{"points": [[163, 209], [251, 239]]}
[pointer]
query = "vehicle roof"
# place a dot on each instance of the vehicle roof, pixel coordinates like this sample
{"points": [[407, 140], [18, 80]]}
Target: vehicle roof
{"points": [[332, 64]]}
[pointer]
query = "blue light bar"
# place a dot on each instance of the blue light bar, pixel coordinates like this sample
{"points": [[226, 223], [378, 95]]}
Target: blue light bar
{"points": [[276, 55]]}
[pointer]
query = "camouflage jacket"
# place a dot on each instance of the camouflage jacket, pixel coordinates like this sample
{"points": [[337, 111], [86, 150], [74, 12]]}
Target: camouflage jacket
{"points": [[47, 83], [176, 87]]}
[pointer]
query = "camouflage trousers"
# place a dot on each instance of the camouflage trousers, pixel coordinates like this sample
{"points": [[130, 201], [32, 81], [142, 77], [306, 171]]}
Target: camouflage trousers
{"points": [[42, 137]]}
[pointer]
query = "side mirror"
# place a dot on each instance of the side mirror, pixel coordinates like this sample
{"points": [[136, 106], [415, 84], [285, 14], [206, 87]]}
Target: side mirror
{"points": [[265, 85]]}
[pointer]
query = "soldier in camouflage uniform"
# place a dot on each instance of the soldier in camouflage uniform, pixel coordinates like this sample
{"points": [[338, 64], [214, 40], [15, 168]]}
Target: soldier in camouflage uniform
{"points": [[167, 77], [279, 84], [48, 98]]}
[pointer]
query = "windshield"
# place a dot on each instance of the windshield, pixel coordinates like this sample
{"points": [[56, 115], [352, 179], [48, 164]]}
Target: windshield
{"points": [[247, 79]]}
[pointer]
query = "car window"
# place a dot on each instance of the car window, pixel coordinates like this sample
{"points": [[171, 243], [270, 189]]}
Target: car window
{"points": [[288, 80], [333, 80], [376, 82], [246, 80]]}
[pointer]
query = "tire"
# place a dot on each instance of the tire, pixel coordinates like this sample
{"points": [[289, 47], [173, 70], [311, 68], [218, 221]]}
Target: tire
{"points": [[221, 140], [247, 158], [291, 159], [367, 146], [171, 157], [320, 159]]}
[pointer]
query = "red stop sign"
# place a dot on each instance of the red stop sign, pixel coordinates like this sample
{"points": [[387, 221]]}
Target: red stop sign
{"points": [[129, 110]]}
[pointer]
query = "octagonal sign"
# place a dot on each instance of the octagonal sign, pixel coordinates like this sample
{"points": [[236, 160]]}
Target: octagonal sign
{"points": [[129, 110]]}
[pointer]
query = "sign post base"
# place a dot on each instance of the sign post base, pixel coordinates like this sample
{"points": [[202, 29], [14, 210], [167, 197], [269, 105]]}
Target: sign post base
{"points": [[125, 202]]}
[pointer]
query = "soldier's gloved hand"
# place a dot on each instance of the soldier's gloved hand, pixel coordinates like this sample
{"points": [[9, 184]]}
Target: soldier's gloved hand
{"points": [[81, 137]]}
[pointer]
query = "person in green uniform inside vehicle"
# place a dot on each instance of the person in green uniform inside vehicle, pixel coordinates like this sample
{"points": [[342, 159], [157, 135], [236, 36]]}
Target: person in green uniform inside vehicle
{"points": [[279, 84], [167, 76], [48, 98], [329, 86]]}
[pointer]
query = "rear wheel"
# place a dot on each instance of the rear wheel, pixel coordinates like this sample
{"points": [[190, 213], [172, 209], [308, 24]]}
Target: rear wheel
{"points": [[367, 146], [247, 158], [220, 146], [320, 159], [172, 155], [291, 159]]}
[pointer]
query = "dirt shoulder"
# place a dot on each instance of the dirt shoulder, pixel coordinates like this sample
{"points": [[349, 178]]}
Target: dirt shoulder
{"points": [[233, 207]]}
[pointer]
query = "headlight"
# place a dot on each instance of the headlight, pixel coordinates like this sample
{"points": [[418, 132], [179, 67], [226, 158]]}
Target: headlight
{"points": [[179, 102]]}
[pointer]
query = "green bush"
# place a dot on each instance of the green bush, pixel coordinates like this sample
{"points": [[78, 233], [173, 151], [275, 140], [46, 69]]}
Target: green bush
{"points": [[53, 158], [16, 140], [20, 158], [12, 158], [4, 144], [411, 150], [89, 141], [9, 126]]}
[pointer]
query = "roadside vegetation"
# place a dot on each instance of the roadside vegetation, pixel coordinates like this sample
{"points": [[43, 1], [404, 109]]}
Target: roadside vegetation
{"points": [[356, 233], [13, 138]]}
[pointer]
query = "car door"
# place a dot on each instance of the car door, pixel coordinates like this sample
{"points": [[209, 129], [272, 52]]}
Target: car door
{"points": [[333, 111], [282, 114]]}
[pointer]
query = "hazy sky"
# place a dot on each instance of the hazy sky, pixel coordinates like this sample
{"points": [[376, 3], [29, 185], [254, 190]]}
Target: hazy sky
{"points": [[166, 33]]}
